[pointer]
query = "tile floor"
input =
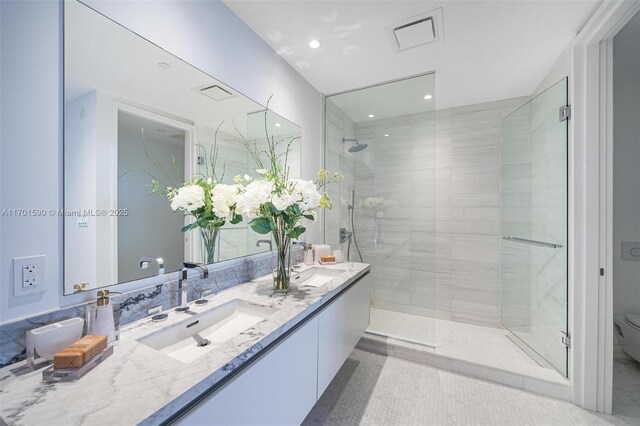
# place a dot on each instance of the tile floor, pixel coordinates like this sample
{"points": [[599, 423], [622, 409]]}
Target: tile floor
{"points": [[626, 387], [373, 389], [490, 346]]}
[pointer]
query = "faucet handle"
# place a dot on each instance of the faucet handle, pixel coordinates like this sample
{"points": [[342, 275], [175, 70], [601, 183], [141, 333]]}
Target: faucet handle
{"points": [[156, 314], [154, 310]]}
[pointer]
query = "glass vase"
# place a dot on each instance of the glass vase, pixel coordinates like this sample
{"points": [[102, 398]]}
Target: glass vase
{"points": [[209, 235], [282, 269]]}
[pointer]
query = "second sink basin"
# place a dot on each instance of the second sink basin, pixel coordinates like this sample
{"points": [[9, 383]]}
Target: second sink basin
{"points": [[314, 276], [199, 334]]}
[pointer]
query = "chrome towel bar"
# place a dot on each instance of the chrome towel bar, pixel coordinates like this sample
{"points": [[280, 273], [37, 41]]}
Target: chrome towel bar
{"points": [[532, 242]]}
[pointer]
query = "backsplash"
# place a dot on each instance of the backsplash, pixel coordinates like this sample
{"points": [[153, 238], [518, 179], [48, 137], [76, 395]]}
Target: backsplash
{"points": [[132, 306]]}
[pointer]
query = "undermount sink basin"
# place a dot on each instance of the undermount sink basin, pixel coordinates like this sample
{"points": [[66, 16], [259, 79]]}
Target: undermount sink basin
{"points": [[199, 334], [314, 276]]}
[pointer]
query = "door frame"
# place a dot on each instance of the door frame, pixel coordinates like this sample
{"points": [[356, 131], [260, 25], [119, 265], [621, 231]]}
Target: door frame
{"points": [[590, 206], [191, 245]]}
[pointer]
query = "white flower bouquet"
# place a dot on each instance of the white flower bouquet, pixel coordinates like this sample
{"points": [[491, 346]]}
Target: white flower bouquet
{"points": [[276, 203], [211, 204]]}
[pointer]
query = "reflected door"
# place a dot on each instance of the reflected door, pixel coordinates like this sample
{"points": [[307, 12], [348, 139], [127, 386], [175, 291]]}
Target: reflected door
{"points": [[534, 224]]}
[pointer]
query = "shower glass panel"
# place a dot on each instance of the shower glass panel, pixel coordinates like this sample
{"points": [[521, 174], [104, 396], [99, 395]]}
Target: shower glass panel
{"points": [[534, 225], [382, 139]]}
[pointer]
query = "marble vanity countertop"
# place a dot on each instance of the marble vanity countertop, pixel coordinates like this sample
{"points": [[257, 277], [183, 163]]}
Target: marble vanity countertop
{"points": [[139, 385]]}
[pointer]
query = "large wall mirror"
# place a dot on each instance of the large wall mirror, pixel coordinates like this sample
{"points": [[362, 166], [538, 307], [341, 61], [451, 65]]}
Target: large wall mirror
{"points": [[134, 111]]}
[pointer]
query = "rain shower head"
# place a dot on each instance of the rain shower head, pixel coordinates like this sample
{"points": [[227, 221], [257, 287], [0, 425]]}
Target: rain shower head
{"points": [[357, 146]]}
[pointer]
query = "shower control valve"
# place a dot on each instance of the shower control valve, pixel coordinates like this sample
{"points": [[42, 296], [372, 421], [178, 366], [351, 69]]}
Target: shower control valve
{"points": [[344, 235]]}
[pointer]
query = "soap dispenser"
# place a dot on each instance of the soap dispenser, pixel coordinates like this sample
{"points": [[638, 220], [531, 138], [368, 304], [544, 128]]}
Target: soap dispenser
{"points": [[100, 319], [308, 255]]}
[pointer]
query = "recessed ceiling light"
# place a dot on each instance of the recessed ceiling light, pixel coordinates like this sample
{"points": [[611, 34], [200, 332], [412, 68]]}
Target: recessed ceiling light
{"points": [[386, 135], [164, 65], [371, 115], [315, 43], [428, 96], [277, 124]]}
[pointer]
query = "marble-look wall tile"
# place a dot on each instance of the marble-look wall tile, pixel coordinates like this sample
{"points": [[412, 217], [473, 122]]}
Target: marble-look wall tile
{"points": [[468, 212], [434, 243]]}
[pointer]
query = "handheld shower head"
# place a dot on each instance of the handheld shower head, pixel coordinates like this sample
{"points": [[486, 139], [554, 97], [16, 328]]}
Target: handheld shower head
{"points": [[357, 146]]}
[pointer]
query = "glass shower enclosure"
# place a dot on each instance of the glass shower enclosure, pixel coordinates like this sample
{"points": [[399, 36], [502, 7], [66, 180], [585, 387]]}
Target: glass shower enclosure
{"points": [[534, 225], [382, 139]]}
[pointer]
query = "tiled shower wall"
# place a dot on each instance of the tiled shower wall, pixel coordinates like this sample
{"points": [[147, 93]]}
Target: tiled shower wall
{"points": [[442, 261], [468, 211], [395, 212], [336, 160]]}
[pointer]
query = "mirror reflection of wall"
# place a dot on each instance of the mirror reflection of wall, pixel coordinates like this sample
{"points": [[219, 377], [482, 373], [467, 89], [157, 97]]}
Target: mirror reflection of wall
{"points": [[149, 225], [116, 84]]}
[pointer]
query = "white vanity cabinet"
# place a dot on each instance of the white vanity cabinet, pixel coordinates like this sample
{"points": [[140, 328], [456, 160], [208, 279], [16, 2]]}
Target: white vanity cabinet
{"points": [[278, 389], [282, 386], [340, 326]]}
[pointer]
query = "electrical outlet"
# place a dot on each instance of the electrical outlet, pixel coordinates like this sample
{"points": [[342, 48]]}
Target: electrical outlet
{"points": [[28, 275]]}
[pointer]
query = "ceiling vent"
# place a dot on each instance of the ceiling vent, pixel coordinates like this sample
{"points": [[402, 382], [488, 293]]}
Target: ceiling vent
{"points": [[416, 31], [215, 92]]}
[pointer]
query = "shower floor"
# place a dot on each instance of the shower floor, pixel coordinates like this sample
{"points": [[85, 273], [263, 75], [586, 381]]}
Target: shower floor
{"points": [[486, 346]]}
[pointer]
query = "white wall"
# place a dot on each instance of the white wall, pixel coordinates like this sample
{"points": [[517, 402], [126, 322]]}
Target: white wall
{"points": [[206, 34], [560, 69], [626, 165], [31, 147]]}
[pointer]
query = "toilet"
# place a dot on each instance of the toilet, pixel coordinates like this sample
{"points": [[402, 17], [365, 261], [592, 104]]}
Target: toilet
{"points": [[627, 330]]}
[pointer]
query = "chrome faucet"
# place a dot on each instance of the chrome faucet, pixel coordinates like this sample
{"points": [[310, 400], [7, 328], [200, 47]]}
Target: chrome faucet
{"points": [[146, 260], [261, 242], [183, 305]]}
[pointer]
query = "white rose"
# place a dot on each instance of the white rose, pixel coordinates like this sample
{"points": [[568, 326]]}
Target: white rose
{"points": [[254, 195], [188, 198], [306, 194], [222, 199], [283, 201]]}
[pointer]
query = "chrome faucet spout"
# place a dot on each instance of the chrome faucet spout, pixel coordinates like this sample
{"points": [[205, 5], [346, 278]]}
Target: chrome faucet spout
{"points": [[261, 242], [204, 270], [183, 281], [146, 260]]}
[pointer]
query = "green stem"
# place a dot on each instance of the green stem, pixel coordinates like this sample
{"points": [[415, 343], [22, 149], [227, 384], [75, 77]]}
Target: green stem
{"points": [[209, 236], [282, 274]]}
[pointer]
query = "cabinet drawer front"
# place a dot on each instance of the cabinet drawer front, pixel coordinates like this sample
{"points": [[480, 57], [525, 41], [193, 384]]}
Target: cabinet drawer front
{"points": [[278, 389]]}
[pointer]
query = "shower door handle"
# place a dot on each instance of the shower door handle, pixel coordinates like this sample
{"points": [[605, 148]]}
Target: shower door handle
{"points": [[532, 242]]}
